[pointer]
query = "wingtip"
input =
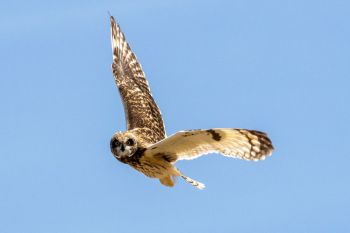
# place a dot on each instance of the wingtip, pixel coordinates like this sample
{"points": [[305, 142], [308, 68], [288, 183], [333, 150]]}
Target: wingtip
{"points": [[112, 20]]}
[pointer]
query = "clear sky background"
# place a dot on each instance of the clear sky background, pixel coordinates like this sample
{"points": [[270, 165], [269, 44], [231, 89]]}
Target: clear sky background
{"points": [[282, 67]]}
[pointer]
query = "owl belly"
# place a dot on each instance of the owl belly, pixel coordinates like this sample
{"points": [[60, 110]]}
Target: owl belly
{"points": [[153, 168]]}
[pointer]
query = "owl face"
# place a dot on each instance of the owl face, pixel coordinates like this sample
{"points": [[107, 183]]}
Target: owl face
{"points": [[123, 145]]}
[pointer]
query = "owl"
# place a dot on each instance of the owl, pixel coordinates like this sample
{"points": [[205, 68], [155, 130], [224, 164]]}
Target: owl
{"points": [[145, 146]]}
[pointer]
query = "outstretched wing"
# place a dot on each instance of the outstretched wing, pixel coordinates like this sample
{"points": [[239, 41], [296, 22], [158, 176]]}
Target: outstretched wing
{"points": [[141, 111], [239, 143]]}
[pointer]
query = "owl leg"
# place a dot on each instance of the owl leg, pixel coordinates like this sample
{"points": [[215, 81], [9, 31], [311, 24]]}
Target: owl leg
{"points": [[195, 183], [169, 180]]}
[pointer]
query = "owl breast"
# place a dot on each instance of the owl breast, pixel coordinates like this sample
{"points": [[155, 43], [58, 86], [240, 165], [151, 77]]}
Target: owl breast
{"points": [[151, 167]]}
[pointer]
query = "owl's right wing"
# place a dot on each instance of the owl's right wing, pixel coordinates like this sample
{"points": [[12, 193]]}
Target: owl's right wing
{"points": [[238, 143], [141, 111]]}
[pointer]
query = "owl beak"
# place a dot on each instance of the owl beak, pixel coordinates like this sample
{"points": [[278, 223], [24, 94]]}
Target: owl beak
{"points": [[122, 148]]}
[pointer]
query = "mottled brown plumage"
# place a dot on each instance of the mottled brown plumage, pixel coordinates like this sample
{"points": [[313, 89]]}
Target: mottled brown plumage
{"points": [[144, 145], [140, 108]]}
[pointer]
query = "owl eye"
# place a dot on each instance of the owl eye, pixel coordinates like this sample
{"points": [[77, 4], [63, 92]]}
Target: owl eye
{"points": [[130, 142], [114, 143]]}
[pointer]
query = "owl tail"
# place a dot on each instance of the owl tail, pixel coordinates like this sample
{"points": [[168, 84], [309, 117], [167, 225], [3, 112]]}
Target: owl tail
{"points": [[195, 183], [167, 181]]}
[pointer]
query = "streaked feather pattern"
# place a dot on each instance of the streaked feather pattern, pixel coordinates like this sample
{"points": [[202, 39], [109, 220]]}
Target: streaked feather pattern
{"points": [[141, 110], [144, 145]]}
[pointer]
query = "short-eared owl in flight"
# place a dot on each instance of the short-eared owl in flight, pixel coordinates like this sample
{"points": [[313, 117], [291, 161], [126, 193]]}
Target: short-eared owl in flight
{"points": [[145, 146]]}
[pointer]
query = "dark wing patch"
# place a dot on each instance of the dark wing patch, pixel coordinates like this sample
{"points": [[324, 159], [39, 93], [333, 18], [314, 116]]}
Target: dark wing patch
{"points": [[215, 135], [166, 156], [141, 111]]}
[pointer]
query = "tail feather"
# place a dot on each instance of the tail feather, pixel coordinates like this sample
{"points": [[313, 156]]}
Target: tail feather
{"points": [[167, 181]]}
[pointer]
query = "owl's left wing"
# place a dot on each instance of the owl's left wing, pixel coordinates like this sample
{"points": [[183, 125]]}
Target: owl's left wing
{"points": [[141, 111], [238, 143]]}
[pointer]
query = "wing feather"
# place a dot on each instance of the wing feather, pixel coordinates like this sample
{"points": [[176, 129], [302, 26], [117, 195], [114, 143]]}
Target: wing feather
{"points": [[238, 143], [141, 111]]}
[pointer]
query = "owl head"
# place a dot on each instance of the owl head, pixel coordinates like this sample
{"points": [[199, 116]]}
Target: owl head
{"points": [[123, 145]]}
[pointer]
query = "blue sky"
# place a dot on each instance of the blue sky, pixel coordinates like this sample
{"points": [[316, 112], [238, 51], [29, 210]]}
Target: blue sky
{"points": [[277, 66]]}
